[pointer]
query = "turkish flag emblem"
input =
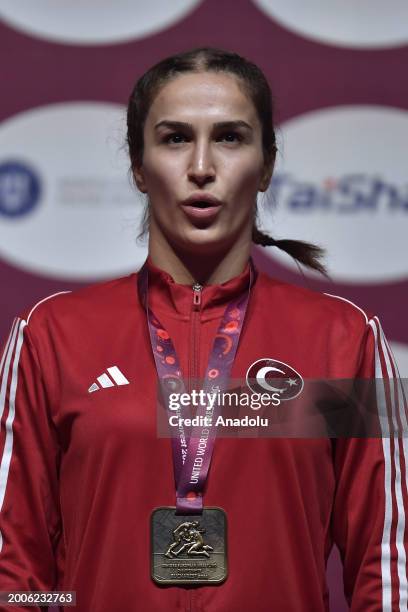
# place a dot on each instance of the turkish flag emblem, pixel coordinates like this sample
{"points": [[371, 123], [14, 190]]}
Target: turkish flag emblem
{"points": [[272, 376]]}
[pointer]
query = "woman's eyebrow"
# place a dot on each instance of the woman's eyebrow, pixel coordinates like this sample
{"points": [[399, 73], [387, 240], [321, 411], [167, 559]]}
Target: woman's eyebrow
{"points": [[231, 125]]}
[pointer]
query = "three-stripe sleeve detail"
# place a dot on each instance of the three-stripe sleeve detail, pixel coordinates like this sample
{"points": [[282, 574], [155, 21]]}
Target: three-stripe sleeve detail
{"points": [[393, 421], [8, 377]]}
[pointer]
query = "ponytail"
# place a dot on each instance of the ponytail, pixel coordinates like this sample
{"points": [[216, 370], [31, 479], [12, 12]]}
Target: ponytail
{"points": [[304, 252]]}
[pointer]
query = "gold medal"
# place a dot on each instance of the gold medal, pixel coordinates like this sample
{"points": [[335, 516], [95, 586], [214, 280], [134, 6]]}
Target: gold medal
{"points": [[188, 549]]}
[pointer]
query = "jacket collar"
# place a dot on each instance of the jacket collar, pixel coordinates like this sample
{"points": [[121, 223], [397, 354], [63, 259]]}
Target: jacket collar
{"points": [[176, 299]]}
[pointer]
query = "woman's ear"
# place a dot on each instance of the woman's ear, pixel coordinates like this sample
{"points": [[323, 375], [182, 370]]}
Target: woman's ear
{"points": [[266, 176], [139, 178]]}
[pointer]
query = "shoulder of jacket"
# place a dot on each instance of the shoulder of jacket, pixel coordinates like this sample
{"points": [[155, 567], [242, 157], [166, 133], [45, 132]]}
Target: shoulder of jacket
{"points": [[76, 303], [351, 307], [323, 304], [28, 313]]}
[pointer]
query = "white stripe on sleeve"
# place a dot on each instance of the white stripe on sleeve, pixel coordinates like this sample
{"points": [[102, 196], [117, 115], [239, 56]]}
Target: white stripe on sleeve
{"points": [[386, 537], [3, 358], [6, 360], [8, 446], [398, 409], [387, 393]]}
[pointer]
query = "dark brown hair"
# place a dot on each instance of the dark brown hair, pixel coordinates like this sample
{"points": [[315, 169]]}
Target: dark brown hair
{"points": [[204, 59]]}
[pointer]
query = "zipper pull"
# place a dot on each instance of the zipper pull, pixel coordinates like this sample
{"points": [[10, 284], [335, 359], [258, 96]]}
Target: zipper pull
{"points": [[197, 295]]}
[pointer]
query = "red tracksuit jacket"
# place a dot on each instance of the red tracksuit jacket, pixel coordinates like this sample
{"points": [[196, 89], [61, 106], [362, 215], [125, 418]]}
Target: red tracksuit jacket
{"points": [[81, 471]]}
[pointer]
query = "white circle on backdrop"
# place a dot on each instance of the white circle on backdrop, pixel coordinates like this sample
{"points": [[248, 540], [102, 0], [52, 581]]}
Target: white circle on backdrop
{"points": [[400, 352], [346, 23], [67, 205], [340, 181], [93, 22]]}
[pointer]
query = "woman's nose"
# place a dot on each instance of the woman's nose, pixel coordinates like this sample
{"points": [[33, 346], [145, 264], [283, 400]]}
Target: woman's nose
{"points": [[201, 167]]}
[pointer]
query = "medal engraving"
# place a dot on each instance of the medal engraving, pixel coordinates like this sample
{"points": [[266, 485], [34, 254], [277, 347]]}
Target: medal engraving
{"points": [[188, 536], [189, 549]]}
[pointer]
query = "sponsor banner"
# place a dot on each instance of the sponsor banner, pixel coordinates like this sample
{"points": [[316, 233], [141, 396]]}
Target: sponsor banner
{"points": [[362, 24], [68, 208], [93, 22], [337, 185]]}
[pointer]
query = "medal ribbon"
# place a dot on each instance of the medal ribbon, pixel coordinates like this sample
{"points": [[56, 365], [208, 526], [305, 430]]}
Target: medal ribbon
{"points": [[192, 452]]}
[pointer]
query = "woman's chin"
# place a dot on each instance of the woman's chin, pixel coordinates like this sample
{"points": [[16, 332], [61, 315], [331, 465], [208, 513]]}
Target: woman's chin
{"points": [[204, 241]]}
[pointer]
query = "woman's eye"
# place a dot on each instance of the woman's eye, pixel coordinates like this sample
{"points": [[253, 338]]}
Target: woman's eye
{"points": [[174, 138], [178, 137], [231, 136]]}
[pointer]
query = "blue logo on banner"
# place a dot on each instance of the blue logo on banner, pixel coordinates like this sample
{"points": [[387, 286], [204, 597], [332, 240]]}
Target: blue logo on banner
{"points": [[20, 189], [349, 194]]}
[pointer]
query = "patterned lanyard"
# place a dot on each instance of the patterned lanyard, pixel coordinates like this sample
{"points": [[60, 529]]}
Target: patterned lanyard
{"points": [[192, 453]]}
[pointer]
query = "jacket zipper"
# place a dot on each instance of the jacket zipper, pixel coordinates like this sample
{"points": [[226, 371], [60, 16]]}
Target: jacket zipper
{"points": [[195, 330], [194, 365]]}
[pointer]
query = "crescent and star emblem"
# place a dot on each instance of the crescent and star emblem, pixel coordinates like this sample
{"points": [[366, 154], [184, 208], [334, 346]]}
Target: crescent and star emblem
{"points": [[273, 376]]}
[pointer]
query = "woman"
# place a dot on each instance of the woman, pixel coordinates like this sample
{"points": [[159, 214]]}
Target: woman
{"points": [[88, 489]]}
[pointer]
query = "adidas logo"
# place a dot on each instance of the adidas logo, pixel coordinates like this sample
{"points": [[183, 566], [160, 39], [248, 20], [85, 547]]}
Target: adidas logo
{"points": [[115, 378]]}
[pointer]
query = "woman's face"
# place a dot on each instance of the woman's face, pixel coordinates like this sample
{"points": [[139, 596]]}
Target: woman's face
{"points": [[202, 137]]}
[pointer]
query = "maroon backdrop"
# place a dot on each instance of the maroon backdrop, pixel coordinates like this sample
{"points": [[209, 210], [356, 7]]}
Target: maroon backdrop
{"points": [[306, 75]]}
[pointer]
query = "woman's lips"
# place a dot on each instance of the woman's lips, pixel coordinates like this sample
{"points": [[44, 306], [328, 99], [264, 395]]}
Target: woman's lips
{"points": [[196, 212]]}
